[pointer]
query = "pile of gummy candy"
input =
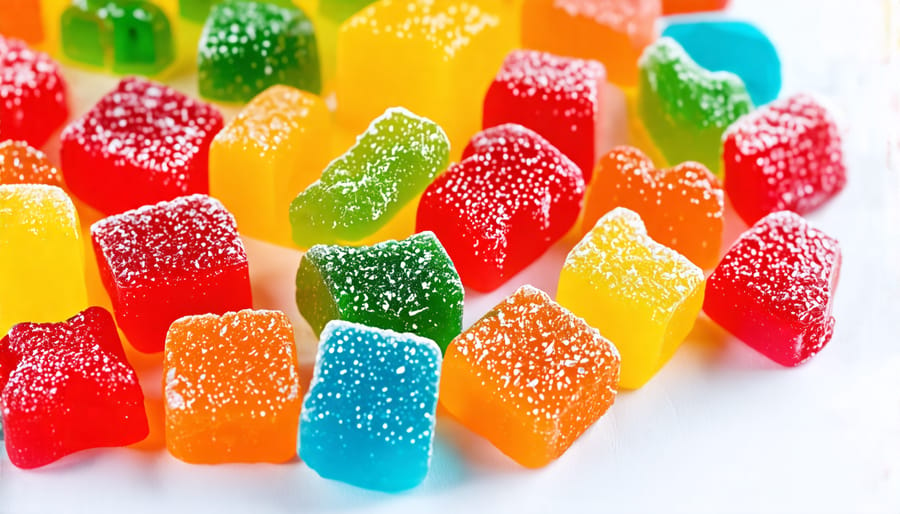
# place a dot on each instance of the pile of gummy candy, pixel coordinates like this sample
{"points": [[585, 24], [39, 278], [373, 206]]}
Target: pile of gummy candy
{"points": [[480, 126]]}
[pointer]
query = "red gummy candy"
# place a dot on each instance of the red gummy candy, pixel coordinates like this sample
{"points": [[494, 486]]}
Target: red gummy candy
{"points": [[69, 388], [784, 156], [173, 259], [774, 289], [33, 100], [670, 7], [512, 196], [142, 143], [560, 98]]}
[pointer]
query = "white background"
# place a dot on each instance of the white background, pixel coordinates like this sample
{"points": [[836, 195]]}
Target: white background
{"points": [[719, 429]]}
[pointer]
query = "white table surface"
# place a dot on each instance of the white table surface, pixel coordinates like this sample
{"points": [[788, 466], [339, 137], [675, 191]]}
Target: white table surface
{"points": [[719, 429]]}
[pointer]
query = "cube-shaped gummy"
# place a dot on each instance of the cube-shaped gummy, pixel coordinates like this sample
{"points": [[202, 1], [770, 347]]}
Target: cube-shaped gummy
{"points": [[21, 19], [640, 294], [20, 163], [329, 18], [405, 286], [232, 388], [274, 148], [173, 259], [368, 418], [248, 46], [530, 376]]}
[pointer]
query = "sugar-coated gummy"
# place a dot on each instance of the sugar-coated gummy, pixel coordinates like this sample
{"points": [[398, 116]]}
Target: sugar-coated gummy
{"points": [[20, 163], [406, 286], [775, 288], [368, 418], [530, 376]]}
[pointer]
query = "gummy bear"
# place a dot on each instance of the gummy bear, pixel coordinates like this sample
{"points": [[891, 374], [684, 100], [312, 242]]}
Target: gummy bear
{"points": [[173, 259], [368, 418], [232, 388], [785, 156], [682, 207], [33, 95], [68, 388], [274, 148], [640, 294], [613, 32], [670, 7], [142, 143], [405, 286], [559, 98], [362, 193], [22, 164], [512, 196], [774, 289], [530, 376], [686, 108]]}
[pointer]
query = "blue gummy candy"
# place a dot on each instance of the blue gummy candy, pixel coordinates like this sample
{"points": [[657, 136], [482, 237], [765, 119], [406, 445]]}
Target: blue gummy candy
{"points": [[733, 46], [368, 418]]}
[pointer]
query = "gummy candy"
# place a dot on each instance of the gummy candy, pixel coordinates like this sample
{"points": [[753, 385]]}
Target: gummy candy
{"points": [[33, 98], [512, 196], [682, 207], [142, 143], [735, 46], [232, 388], [274, 148], [22, 164], [784, 156], [249, 46], [686, 108], [330, 16], [530, 376], [406, 286], [775, 287], [559, 98], [366, 189], [368, 418], [434, 57], [638, 293], [69, 388], [689, 6], [613, 32], [165, 261], [22, 19], [41, 255]]}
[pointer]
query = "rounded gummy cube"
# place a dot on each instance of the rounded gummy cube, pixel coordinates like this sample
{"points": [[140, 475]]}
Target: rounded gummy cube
{"points": [[613, 32], [511, 197], [774, 289], [787, 155], [530, 376], [368, 418], [560, 98], [41, 255], [20, 163], [643, 296], [172, 259], [682, 207], [142, 143], [232, 388], [275, 147], [68, 387], [689, 6]]}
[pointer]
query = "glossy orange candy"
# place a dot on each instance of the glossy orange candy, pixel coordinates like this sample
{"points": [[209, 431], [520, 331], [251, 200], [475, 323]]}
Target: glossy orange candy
{"points": [[688, 6], [22, 19], [22, 164]]}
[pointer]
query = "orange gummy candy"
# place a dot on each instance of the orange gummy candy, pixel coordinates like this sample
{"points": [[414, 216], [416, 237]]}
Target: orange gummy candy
{"points": [[682, 207], [22, 19], [689, 6], [22, 164]]}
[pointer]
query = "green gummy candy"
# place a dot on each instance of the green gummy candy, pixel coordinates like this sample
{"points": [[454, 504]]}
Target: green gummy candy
{"points": [[686, 108], [198, 10], [390, 165], [405, 286], [246, 47]]}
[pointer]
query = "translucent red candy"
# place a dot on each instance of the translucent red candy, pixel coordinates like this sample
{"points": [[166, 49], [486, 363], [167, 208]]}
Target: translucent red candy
{"points": [[512, 196], [774, 289], [141, 144], [560, 98], [33, 102], [67, 387], [784, 156]]}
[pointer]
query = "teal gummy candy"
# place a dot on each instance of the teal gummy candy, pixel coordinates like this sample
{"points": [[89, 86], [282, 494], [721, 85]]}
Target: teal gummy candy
{"points": [[247, 46], [390, 165], [368, 418], [406, 286], [735, 46], [127, 36], [685, 107]]}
